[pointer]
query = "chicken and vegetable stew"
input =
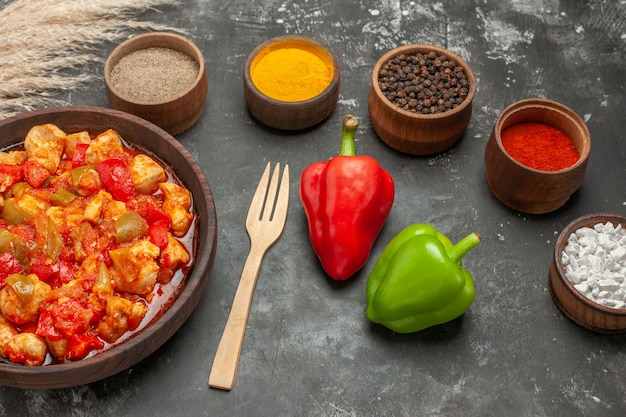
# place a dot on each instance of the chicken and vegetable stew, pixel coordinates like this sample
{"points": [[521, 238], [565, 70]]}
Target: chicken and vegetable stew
{"points": [[96, 238]]}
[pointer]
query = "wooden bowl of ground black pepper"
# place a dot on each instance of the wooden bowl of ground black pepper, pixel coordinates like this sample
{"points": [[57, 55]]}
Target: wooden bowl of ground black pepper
{"points": [[420, 101], [160, 77], [537, 176], [291, 82]]}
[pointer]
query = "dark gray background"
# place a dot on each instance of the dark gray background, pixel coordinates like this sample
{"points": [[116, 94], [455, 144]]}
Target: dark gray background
{"points": [[309, 349]]}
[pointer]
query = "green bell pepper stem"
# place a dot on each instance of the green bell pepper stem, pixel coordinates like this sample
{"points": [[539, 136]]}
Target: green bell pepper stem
{"points": [[348, 131], [458, 251]]}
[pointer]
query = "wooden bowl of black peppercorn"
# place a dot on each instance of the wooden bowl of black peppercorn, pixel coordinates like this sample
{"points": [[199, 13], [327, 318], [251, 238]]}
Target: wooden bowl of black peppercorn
{"points": [[420, 102]]}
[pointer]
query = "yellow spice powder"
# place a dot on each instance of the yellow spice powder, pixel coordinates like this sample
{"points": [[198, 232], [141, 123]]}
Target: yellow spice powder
{"points": [[291, 73]]}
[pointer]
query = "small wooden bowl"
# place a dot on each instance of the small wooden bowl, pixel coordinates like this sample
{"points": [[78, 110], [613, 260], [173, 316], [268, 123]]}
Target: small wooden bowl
{"points": [[174, 115], [531, 190], [156, 141], [568, 299], [291, 115], [414, 133]]}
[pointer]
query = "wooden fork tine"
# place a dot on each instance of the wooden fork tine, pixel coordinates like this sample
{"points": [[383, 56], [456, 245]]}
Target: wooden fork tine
{"points": [[282, 202], [254, 212], [270, 199]]}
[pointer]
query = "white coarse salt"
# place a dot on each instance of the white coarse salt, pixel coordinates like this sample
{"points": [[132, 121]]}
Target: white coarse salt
{"points": [[594, 260], [608, 285], [618, 254], [582, 287]]}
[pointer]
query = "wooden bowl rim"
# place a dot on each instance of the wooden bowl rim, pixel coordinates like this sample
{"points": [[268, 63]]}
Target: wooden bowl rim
{"points": [[587, 220], [308, 103], [58, 375], [157, 38], [420, 47], [557, 107]]}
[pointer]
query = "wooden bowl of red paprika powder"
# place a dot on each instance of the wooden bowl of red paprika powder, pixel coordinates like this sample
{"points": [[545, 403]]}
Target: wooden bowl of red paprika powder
{"points": [[291, 82], [536, 156], [420, 102], [160, 77]]}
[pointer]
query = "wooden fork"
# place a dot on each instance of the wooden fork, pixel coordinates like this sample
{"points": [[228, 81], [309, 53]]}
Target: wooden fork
{"points": [[265, 223]]}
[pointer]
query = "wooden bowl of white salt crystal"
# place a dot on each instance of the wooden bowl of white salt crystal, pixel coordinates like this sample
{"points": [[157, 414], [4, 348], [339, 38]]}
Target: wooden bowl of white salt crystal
{"points": [[160, 77], [587, 278]]}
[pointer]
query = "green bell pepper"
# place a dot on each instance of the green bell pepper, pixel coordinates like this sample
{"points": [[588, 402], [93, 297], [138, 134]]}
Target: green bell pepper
{"points": [[20, 188], [419, 282], [23, 285], [62, 197], [12, 213], [17, 246], [129, 226]]}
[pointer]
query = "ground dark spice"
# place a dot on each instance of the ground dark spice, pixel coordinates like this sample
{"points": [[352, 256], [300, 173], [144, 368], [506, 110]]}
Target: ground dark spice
{"points": [[154, 75], [539, 146], [423, 83]]}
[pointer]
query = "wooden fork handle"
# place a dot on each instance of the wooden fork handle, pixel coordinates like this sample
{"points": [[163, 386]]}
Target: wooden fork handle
{"points": [[224, 369]]}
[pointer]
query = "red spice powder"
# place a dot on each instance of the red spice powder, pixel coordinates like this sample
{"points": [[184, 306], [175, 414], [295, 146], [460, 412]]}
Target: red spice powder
{"points": [[539, 146]]}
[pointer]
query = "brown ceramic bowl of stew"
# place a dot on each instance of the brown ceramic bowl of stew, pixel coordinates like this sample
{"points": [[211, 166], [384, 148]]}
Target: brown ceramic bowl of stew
{"points": [[577, 297], [160, 77], [522, 187], [175, 310], [416, 112], [283, 100]]}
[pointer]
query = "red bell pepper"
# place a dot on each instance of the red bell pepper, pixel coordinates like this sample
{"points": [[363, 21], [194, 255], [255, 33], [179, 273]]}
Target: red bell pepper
{"points": [[45, 326], [154, 215], [81, 344], [9, 175], [72, 317], [80, 150], [346, 200], [157, 233], [35, 173], [9, 265], [56, 274], [116, 177]]}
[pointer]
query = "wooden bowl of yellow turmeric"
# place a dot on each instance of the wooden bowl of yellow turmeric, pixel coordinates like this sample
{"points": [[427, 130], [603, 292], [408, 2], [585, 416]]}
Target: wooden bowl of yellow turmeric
{"points": [[291, 82]]}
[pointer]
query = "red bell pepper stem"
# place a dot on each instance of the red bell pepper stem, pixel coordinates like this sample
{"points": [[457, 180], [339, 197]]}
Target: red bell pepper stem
{"points": [[458, 251], [348, 131]]}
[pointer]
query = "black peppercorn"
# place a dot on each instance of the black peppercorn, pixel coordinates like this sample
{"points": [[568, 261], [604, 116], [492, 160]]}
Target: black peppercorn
{"points": [[423, 83]]}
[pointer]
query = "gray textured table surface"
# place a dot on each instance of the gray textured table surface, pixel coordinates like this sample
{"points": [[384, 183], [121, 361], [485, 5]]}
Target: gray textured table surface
{"points": [[309, 349]]}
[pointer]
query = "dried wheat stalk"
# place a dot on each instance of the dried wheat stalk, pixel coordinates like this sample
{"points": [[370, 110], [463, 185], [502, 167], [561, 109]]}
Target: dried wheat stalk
{"points": [[46, 43]]}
